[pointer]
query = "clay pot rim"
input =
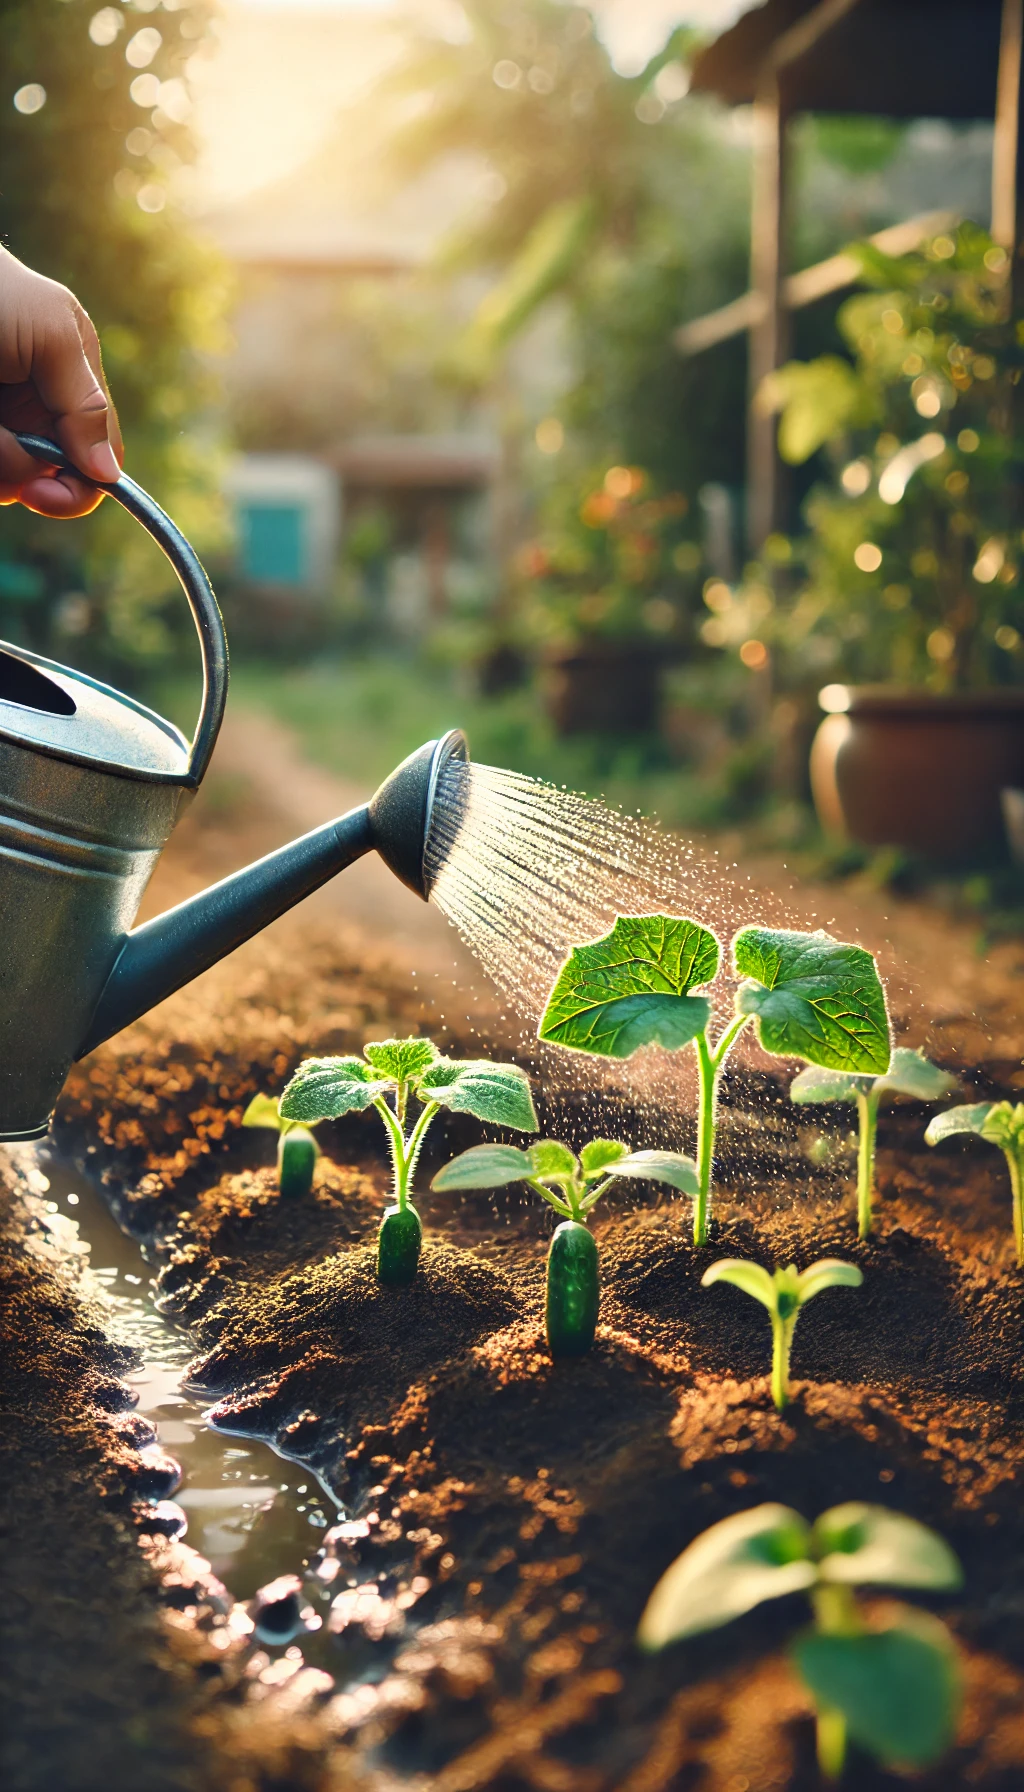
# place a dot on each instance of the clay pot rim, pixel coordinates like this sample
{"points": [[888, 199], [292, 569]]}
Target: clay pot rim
{"points": [[890, 700]]}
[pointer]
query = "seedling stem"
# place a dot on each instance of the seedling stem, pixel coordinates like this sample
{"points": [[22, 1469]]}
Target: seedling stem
{"points": [[709, 1071], [868, 1109]]}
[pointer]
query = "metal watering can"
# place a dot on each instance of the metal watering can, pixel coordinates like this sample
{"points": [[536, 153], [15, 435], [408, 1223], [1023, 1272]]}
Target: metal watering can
{"points": [[91, 785]]}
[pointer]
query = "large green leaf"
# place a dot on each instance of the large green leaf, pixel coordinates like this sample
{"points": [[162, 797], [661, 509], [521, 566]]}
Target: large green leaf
{"points": [[599, 1156], [263, 1111], [323, 1088], [910, 1073], [499, 1093], [631, 988], [898, 1688], [737, 1564], [660, 1166], [400, 1059], [859, 1544], [814, 998], [485, 1166]]}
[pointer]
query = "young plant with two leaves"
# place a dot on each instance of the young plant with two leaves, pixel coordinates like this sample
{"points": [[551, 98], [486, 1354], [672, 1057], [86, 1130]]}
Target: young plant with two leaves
{"points": [[908, 1074], [1002, 1124], [888, 1681], [572, 1186], [784, 1294], [643, 984], [297, 1150], [390, 1074]]}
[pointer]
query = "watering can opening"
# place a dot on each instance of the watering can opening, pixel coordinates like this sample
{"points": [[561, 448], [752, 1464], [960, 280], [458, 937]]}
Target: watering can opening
{"points": [[91, 785]]}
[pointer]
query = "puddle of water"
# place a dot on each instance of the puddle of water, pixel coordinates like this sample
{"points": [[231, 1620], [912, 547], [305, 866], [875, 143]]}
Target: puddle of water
{"points": [[253, 1514]]}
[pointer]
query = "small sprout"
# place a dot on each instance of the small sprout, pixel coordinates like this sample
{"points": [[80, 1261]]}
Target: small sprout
{"points": [[893, 1687], [910, 1073], [388, 1073], [572, 1186], [783, 1293], [811, 996], [1001, 1125], [297, 1150]]}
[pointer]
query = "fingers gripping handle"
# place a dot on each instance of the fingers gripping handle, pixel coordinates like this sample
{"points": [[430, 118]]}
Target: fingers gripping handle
{"points": [[195, 584]]}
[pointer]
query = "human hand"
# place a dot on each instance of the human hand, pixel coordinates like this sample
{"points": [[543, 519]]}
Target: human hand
{"points": [[52, 384]]}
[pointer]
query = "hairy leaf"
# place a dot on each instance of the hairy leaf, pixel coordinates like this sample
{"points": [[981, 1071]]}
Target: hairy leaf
{"points": [[814, 998], [828, 1272], [898, 1688], [551, 1161], [631, 988], [263, 1111], [324, 1088], [753, 1280], [400, 1059], [599, 1155], [859, 1544], [661, 1166], [734, 1566], [485, 1166], [499, 1093]]}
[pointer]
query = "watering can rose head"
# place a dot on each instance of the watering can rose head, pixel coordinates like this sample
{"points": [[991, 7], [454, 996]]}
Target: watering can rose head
{"points": [[645, 983], [91, 785]]}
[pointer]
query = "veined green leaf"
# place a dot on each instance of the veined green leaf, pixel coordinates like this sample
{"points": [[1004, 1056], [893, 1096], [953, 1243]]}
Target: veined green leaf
{"points": [[484, 1166], [753, 1280], [631, 988], [499, 1093], [400, 1059], [910, 1073], [814, 998], [324, 1088], [551, 1161], [897, 1688], [263, 1111], [660, 1166], [828, 1272], [599, 1156], [857, 1544], [736, 1565]]}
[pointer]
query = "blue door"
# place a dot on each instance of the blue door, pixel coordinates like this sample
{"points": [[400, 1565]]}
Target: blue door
{"points": [[273, 550]]}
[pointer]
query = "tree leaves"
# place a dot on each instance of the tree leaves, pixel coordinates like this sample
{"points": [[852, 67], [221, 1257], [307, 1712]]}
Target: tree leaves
{"points": [[324, 1088], [897, 1688], [733, 1567], [498, 1093], [860, 1545], [631, 988], [814, 998]]}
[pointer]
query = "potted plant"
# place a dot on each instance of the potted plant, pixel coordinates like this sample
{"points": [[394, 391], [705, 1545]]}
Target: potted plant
{"points": [[602, 593], [904, 593]]}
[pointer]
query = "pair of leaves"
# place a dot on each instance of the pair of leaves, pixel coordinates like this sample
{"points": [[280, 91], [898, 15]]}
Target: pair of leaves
{"points": [[812, 996], [997, 1121], [785, 1292], [909, 1073], [494, 1166], [324, 1088], [771, 1551]]}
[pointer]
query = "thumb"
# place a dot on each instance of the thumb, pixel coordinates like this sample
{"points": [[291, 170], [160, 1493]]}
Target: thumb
{"points": [[70, 384]]}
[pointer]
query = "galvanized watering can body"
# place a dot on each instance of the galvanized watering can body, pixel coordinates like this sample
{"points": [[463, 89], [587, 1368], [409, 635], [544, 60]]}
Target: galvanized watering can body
{"points": [[91, 785]]}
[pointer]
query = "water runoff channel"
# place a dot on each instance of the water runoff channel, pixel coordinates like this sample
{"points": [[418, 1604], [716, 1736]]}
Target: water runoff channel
{"points": [[253, 1514]]}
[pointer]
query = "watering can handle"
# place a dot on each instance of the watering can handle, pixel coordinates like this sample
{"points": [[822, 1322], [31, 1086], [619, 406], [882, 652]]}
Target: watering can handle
{"points": [[195, 584]]}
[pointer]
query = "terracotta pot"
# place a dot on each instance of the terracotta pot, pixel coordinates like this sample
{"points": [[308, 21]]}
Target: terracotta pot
{"points": [[603, 687], [916, 770]]}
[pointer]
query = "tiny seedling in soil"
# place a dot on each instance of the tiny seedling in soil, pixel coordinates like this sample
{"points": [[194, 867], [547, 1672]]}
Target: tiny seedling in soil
{"points": [[783, 1293], [385, 1077], [1003, 1125], [891, 1684], [811, 996], [572, 1186], [908, 1074], [297, 1150]]}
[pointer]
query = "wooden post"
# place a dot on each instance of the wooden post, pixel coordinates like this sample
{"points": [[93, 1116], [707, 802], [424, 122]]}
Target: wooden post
{"points": [[769, 333], [1008, 150]]}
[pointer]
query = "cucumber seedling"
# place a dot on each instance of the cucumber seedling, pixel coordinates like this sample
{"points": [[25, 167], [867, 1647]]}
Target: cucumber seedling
{"points": [[385, 1077], [892, 1686], [297, 1150], [811, 997], [572, 1186], [783, 1293], [909, 1074], [1001, 1124]]}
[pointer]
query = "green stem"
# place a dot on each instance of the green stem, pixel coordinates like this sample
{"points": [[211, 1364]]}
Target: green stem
{"points": [[396, 1140], [835, 1614], [709, 1069], [831, 1742], [1015, 1163], [868, 1108], [414, 1143], [782, 1344]]}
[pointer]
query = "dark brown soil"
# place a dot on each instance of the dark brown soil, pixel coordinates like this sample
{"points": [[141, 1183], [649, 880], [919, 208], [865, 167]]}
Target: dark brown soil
{"points": [[511, 1514]]}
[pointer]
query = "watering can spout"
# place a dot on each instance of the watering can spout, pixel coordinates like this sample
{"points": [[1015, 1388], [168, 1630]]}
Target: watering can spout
{"points": [[164, 954]]}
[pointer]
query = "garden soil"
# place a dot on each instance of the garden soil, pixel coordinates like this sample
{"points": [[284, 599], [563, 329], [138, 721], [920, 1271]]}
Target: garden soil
{"points": [[506, 1516]]}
